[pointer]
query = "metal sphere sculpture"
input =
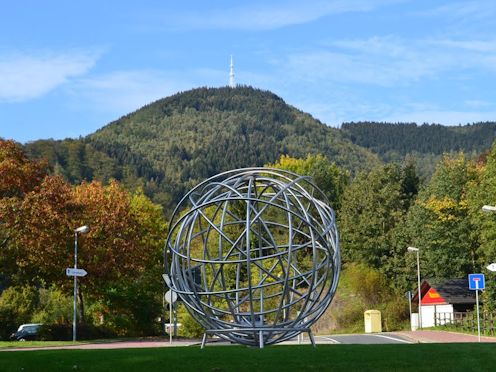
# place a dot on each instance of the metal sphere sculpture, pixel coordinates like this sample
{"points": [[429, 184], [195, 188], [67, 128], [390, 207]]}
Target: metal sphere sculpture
{"points": [[254, 255]]}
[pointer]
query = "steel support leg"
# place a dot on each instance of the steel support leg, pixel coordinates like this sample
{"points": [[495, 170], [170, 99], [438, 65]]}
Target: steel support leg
{"points": [[312, 340], [204, 340]]}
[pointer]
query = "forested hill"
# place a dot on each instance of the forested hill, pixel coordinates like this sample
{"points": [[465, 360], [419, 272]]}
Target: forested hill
{"points": [[388, 139], [171, 144]]}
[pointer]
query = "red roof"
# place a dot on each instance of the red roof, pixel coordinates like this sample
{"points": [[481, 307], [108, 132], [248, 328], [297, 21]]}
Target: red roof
{"points": [[450, 291], [432, 297]]}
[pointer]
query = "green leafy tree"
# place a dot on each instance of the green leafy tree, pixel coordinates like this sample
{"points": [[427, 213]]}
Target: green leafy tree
{"points": [[482, 191], [54, 307], [439, 223], [372, 207], [331, 179], [17, 305]]}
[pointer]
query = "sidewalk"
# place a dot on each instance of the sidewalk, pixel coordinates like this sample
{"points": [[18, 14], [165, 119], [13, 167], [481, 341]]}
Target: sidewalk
{"points": [[442, 337]]}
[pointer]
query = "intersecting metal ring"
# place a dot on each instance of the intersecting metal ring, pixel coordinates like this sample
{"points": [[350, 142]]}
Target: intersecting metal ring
{"points": [[254, 254]]}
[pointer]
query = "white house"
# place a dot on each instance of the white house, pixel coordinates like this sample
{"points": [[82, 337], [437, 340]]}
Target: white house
{"points": [[444, 300]]}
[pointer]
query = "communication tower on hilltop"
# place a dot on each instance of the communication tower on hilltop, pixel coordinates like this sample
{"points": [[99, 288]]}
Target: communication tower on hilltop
{"points": [[232, 83]]}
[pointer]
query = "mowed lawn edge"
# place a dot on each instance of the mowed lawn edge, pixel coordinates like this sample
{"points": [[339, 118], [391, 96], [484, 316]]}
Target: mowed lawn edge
{"points": [[415, 357], [19, 345]]}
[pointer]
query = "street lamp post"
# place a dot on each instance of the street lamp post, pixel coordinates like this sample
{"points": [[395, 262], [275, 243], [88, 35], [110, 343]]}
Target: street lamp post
{"points": [[80, 230], [419, 318]]}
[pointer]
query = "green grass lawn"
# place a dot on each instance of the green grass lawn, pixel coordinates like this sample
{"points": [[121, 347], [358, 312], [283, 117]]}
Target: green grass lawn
{"points": [[27, 344], [415, 357], [19, 344]]}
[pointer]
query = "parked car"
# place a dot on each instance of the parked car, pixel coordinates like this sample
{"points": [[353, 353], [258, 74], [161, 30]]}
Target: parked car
{"points": [[26, 332]]}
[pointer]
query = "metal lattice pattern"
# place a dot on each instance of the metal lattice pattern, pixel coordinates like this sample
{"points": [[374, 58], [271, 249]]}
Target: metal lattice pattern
{"points": [[254, 254]]}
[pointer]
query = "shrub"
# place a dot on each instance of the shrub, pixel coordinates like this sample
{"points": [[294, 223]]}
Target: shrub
{"points": [[54, 307], [363, 288], [350, 318], [190, 327], [63, 332], [17, 305], [130, 308], [395, 314]]}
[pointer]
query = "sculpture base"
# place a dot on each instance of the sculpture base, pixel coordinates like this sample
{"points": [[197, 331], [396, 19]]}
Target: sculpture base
{"points": [[257, 331]]}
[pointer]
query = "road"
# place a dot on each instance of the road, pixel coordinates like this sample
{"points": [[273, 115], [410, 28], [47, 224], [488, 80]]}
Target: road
{"points": [[363, 339], [403, 337]]}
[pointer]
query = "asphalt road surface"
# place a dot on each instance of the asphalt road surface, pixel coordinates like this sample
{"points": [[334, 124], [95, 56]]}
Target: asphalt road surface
{"points": [[362, 339]]}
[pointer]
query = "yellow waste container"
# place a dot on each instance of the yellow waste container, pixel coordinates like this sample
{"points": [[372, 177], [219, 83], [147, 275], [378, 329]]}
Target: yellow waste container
{"points": [[372, 321]]}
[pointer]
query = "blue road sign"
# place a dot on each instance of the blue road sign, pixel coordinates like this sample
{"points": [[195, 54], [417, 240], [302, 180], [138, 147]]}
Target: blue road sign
{"points": [[476, 281]]}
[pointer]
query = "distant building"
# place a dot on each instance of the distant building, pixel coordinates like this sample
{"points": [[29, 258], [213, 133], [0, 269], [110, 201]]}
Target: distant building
{"points": [[444, 300]]}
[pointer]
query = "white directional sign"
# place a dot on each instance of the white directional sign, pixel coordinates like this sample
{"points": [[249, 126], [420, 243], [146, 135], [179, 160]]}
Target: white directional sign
{"points": [[491, 267], [70, 271], [170, 296]]}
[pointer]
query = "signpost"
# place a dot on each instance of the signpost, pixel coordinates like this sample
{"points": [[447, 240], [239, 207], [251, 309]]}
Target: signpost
{"points": [[477, 282], [70, 271], [491, 267], [75, 272], [170, 297]]}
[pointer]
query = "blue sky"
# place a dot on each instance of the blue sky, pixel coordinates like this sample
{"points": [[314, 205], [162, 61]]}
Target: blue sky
{"points": [[68, 68]]}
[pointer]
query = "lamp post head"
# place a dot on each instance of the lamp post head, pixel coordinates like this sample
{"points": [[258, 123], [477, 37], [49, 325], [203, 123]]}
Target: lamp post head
{"points": [[82, 230], [412, 249], [489, 208]]}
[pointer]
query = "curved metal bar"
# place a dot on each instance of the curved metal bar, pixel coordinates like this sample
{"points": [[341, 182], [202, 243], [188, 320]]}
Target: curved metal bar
{"points": [[254, 254]]}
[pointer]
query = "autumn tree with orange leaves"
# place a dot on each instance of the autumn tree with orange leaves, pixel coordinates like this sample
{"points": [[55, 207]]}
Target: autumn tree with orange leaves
{"points": [[121, 253]]}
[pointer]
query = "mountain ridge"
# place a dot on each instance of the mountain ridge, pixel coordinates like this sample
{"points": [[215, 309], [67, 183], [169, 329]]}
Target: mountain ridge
{"points": [[171, 144]]}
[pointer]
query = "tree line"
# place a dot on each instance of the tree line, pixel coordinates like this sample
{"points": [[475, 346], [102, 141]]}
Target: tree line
{"points": [[405, 138], [380, 212], [122, 253], [383, 211]]}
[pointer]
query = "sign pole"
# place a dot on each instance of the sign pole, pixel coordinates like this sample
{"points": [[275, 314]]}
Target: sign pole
{"points": [[171, 297], [174, 311], [477, 304], [170, 322], [477, 282], [74, 318]]}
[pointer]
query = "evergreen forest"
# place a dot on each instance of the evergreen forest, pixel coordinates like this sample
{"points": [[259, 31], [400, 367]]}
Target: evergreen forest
{"points": [[172, 144]]}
